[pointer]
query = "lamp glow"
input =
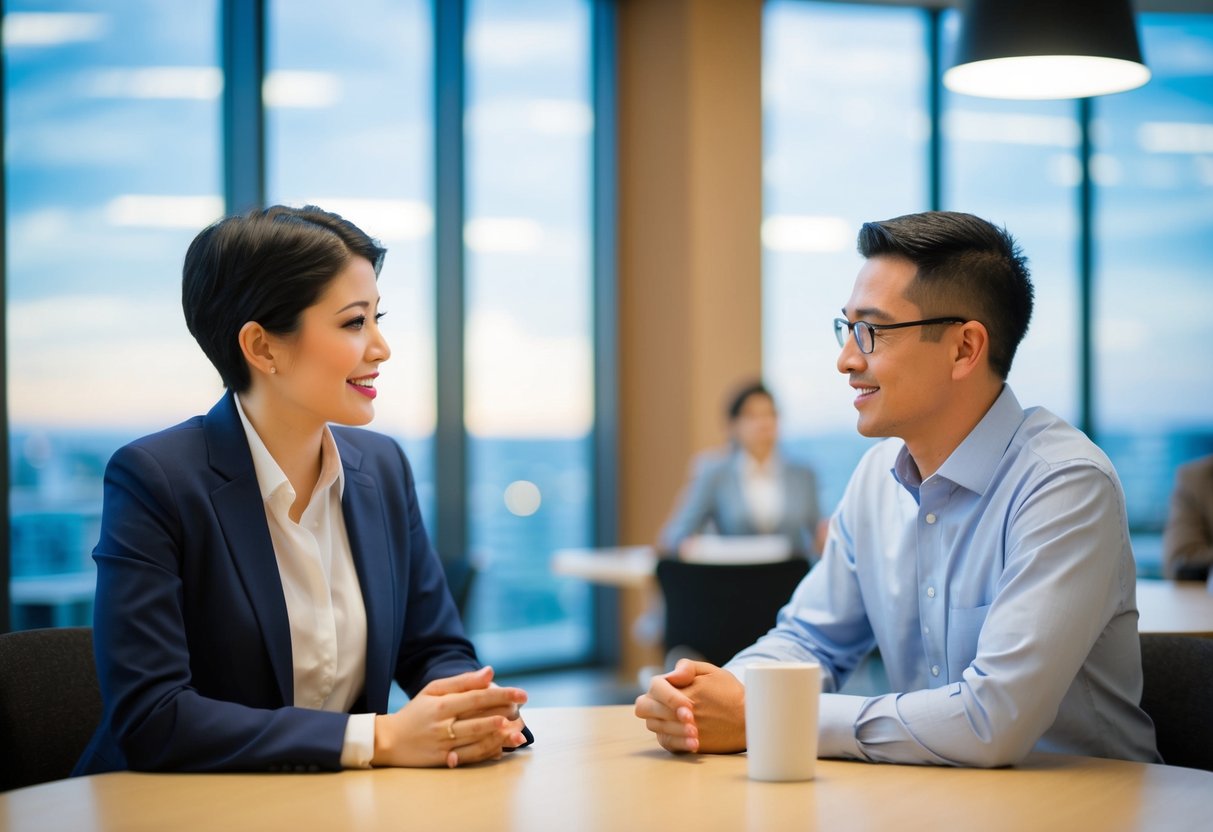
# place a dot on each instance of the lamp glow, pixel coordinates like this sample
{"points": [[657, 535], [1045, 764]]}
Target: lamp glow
{"points": [[1046, 49]]}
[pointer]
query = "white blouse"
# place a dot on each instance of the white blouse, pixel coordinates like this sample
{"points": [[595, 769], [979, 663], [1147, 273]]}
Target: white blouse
{"points": [[323, 596]]}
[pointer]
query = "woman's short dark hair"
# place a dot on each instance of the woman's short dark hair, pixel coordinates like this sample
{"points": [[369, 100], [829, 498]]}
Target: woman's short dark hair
{"points": [[742, 395], [967, 267], [266, 266]]}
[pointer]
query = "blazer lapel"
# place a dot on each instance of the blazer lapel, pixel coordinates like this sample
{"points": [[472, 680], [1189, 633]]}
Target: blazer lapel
{"points": [[241, 515], [366, 526], [794, 494], [734, 510]]}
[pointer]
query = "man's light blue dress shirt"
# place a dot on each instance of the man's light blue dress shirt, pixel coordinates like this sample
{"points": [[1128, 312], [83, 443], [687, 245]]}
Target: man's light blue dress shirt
{"points": [[1000, 591]]}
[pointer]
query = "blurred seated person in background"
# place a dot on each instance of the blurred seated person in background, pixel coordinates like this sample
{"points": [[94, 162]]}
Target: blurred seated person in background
{"points": [[982, 547], [748, 489], [1187, 540], [262, 576]]}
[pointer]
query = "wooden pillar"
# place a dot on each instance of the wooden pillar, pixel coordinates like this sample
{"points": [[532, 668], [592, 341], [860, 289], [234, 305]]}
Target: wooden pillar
{"points": [[690, 256]]}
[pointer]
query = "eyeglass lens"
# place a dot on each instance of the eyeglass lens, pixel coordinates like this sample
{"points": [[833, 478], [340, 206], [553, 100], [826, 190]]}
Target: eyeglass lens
{"points": [[863, 333]]}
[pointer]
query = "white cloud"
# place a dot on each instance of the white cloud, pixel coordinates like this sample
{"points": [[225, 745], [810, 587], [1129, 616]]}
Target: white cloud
{"points": [[195, 212], [103, 361], [496, 45], [1175, 137], [1106, 170], [52, 28], [39, 228], [538, 116], [1122, 335], [1011, 128], [502, 234], [520, 383], [201, 83], [385, 219], [301, 89], [806, 233]]}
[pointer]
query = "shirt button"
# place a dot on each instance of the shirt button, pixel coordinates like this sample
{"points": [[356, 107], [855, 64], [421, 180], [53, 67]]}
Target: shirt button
{"points": [[930, 592], [926, 631], [931, 519], [934, 670]]}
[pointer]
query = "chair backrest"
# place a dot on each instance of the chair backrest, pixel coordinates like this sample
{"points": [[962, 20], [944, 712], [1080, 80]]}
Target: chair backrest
{"points": [[1178, 695], [718, 609], [50, 703]]}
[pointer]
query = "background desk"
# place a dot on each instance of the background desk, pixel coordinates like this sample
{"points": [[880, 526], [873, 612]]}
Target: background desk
{"points": [[599, 769], [631, 570], [1182, 608], [1169, 607]]}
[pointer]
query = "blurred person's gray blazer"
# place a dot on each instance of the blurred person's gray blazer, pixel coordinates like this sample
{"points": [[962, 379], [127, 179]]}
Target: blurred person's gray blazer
{"points": [[713, 502], [1187, 540]]}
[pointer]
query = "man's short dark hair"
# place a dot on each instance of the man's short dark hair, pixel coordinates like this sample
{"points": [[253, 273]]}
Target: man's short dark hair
{"points": [[966, 267], [266, 266]]}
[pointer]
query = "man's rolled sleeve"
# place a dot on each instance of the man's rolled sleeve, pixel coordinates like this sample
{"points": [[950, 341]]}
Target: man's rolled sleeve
{"points": [[837, 715]]}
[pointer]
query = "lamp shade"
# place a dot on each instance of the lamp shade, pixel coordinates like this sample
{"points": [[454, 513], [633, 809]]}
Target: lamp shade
{"points": [[1046, 49]]}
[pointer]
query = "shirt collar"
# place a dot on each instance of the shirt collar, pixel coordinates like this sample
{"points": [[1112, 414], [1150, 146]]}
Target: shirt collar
{"points": [[973, 464], [270, 477]]}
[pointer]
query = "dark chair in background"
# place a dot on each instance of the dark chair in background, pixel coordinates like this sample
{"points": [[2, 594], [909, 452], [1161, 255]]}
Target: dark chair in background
{"points": [[718, 609], [50, 703], [1178, 695]]}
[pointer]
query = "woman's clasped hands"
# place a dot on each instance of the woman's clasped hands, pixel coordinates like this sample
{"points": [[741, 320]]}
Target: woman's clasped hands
{"points": [[457, 720]]}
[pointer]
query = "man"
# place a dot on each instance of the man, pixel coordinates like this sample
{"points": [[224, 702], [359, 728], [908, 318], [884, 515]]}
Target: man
{"points": [[986, 553]]}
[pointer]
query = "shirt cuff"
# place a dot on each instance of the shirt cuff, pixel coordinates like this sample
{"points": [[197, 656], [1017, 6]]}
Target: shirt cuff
{"points": [[358, 747], [836, 731]]}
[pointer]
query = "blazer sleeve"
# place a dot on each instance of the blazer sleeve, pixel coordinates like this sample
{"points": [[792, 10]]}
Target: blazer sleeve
{"points": [[155, 717], [694, 507], [1187, 540], [433, 644], [809, 511]]}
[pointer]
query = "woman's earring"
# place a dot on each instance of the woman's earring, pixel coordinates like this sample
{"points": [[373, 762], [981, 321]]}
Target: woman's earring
{"points": [[273, 370]]}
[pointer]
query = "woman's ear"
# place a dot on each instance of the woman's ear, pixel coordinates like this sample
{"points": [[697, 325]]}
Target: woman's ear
{"points": [[257, 347]]}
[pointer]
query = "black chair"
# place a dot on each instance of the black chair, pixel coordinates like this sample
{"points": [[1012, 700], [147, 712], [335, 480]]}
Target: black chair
{"points": [[50, 703], [718, 609], [1178, 695]]}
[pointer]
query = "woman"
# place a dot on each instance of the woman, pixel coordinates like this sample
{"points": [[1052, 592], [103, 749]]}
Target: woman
{"points": [[261, 576], [750, 489]]}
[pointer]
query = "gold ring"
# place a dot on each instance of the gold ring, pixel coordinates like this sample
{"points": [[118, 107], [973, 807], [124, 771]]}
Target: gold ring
{"points": [[450, 728]]}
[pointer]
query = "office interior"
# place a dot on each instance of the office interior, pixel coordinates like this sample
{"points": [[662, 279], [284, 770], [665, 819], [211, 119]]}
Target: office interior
{"points": [[600, 216]]}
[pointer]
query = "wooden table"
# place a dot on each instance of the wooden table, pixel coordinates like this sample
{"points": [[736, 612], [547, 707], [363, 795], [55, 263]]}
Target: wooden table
{"points": [[1175, 608], [599, 769]]}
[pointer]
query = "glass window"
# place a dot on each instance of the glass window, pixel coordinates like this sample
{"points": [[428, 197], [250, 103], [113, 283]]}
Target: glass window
{"points": [[528, 339], [1153, 173], [349, 128], [845, 134], [112, 166], [1017, 164]]}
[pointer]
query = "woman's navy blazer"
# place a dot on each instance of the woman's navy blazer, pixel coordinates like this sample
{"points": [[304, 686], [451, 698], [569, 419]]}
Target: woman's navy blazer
{"points": [[192, 639]]}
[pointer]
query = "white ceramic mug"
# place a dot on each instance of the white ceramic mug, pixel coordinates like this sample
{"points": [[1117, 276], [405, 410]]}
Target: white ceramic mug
{"points": [[781, 720]]}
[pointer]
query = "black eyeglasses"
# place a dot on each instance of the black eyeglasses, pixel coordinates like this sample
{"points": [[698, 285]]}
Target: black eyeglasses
{"points": [[865, 333]]}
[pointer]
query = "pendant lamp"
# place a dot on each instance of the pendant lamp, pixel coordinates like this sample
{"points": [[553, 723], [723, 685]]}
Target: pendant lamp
{"points": [[1046, 49]]}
